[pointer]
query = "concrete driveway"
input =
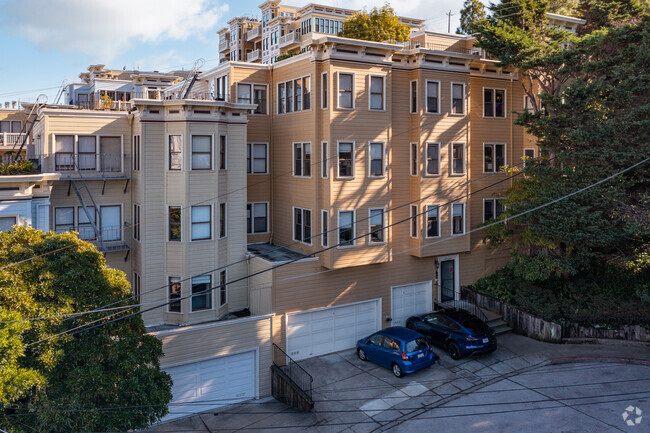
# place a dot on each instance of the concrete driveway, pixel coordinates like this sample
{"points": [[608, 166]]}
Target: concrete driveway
{"points": [[524, 386]]}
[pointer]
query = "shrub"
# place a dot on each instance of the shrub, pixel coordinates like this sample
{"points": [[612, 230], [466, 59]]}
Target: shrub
{"points": [[18, 167]]}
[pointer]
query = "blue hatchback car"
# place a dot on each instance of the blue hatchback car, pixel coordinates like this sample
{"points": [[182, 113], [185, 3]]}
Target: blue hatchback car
{"points": [[398, 348]]}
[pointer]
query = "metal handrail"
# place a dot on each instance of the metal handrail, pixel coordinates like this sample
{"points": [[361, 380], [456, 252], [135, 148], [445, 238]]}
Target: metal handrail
{"points": [[293, 370], [462, 304]]}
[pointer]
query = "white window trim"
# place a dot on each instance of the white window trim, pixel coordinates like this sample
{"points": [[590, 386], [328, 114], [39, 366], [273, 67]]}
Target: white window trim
{"points": [[426, 220], [253, 113], [524, 154], [302, 159], [353, 91], [16, 217], [494, 206], [225, 162], [417, 99], [426, 97], [426, 159], [53, 220], [311, 94], [211, 292], [505, 157], [266, 145], [464, 219], [225, 220], [167, 224], [383, 160], [212, 234], [167, 156], [413, 215], [244, 83], [293, 226], [268, 221], [212, 154], [98, 142], [383, 92], [98, 219], [354, 157], [417, 158], [324, 216], [383, 209], [139, 226], [226, 291], [451, 159], [180, 281], [324, 160], [324, 102], [451, 108], [354, 229], [494, 96], [136, 143]]}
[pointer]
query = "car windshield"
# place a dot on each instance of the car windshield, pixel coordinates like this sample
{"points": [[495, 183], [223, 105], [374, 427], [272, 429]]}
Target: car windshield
{"points": [[475, 325], [416, 345]]}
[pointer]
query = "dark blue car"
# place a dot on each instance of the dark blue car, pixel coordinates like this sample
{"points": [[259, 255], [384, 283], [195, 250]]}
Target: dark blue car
{"points": [[398, 348], [457, 331]]}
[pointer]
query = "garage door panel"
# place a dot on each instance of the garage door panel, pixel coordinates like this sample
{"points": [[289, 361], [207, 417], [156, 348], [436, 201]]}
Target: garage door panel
{"points": [[330, 329], [409, 300]]}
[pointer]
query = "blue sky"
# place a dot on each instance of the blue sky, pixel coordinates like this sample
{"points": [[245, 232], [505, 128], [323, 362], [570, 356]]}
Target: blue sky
{"points": [[43, 42]]}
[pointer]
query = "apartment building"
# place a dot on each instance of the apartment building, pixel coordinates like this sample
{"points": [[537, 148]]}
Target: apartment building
{"points": [[307, 191]]}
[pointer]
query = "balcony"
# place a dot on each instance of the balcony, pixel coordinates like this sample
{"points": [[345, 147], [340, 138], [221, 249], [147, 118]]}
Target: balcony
{"points": [[10, 139], [224, 45], [254, 33], [90, 166], [113, 237], [289, 39], [253, 56]]}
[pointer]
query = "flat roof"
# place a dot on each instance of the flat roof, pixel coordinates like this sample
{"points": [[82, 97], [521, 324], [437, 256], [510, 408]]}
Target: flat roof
{"points": [[275, 253]]}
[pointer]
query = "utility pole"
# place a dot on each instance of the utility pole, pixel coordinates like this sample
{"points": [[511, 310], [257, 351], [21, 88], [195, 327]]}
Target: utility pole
{"points": [[449, 14]]}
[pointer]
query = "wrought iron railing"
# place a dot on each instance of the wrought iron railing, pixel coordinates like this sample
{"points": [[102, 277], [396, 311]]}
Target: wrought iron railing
{"points": [[465, 305], [114, 237], [293, 370]]}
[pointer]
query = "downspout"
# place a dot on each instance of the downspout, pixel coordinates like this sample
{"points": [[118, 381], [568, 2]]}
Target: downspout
{"points": [[271, 146]]}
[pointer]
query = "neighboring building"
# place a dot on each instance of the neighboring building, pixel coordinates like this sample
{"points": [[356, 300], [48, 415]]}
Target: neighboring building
{"points": [[384, 153]]}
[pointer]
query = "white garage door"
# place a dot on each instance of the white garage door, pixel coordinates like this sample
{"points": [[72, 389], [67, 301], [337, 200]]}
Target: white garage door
{"points": [[204, 385], [408, 300], [328, 330]]}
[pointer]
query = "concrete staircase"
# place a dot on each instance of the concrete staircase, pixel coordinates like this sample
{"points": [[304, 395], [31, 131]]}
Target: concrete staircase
{"points": [[496, 322]]}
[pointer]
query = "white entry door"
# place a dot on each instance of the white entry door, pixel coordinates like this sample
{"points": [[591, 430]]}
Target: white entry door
{"points": [[327, 330], [205, 385], [409, 300]]}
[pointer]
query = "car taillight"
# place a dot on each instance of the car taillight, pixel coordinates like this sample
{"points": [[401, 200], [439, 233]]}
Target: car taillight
{"points": [[405, 357]]}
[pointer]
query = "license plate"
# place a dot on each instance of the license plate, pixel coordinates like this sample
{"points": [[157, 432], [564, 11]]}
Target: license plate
{"points": [[485, 340], [420, 355]]}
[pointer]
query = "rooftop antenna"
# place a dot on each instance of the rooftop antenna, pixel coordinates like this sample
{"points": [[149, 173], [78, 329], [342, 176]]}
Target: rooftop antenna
{"points": [[449, 15]]}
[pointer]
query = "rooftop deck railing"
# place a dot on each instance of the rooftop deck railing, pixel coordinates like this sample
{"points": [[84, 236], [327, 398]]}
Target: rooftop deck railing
{"points": [[253, 33], [11, 139]]}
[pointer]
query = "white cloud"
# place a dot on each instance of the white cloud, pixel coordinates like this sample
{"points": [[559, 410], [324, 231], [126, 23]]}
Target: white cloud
{"points": [[105, 28], [162, 62]]}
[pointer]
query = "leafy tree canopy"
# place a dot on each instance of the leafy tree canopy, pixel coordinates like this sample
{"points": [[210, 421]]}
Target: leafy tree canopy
{"points": [[380, 25], [61, 384], [472, 12], [611, 13]]}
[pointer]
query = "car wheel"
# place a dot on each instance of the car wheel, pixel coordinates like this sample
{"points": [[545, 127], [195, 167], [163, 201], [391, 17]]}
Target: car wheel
{"points": [[361, 354], [397, 370], [453, 349]]}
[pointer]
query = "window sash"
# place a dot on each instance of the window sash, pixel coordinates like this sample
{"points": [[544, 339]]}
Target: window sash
{"points": [[324, 160], [494, 157], [174, 293], [458, 99], [200, 300], [458, 217], [346, 228], [63, 219], [201, 152], [256, 218], [223, 289], [175, 153], [433, 88], [110, 218], [259, 98], [414, 221], [175, 224], [345, 90], [376, 222], [458, 158], [222, 220], [201, 222], [346, 156], [376, 93], [433, 221], [433, 159], [414, 159], [243, 93], [324, 228], [222, 152], [414, 96], [376, 159], [324, 90]]}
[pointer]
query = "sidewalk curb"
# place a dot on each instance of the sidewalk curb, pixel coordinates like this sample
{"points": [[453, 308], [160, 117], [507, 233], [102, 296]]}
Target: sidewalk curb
{"points": [[596, 358]]}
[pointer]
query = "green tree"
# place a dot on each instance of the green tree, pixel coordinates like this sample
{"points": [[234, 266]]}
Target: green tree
{"points": [[381, 24], [472, 12], [600, 125], [70, 382], [611, 13]]}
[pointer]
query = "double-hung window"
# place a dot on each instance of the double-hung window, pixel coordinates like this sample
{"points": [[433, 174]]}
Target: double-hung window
{"points": [[414, 159], [302, 159], [222, 220], [457, 218], [222, 88], [110, 218], [63, 219], [377, 165], [136, 221], [414, 221], [201, 152], [377, 100], [174, 215], [346, 90], [136, 153], [87, 152], [433, 221], [243, 93], [529, 154], [346, 159], [256, 158], [377, 224], [259, 98], [201, 222], [346, 228], [85, 222], [324, 164], [174, 287], [324, 90], [494, 157], [457, 158], [494, 102], [7, 222], [282, 103], [492, 208], [294, 95], [223, 153], [223, 288], [414, 96], [433, 159], [302, 225], [433, 97], [202, 293], [257, 218], [64, 156], [324, 236], [457, 98], [175, 152]]}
